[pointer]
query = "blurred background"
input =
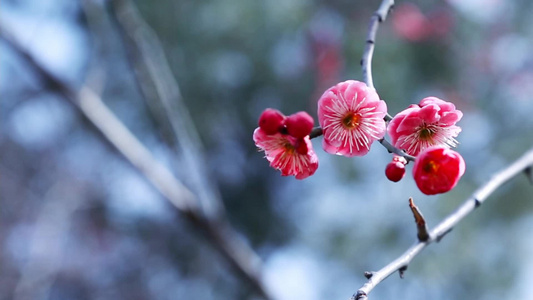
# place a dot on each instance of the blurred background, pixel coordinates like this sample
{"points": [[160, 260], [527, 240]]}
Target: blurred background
{"points": [[77, 221]]}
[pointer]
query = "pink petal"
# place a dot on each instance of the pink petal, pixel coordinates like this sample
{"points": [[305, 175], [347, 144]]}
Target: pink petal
{"points": [[450, 118], [345, 151], [285, 158], [328, 147], [429, 114], [410, 122], [351, 93], [444, 105]]}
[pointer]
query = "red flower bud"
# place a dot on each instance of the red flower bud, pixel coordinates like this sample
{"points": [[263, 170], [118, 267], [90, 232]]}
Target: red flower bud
{"points": [[271, 121], [438, 169], [395, 170], [299, 124]]}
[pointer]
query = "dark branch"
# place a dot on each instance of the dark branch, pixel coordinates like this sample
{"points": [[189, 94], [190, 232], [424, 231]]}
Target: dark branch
{"points": [[396, 151], [220, 234], [316, 132], [160, 87], [529, 175]]}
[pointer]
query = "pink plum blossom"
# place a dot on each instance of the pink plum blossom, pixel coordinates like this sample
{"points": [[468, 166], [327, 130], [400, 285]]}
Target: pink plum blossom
{"points": [[351, 116], [438, 169], [430, 123], [292, 156]]}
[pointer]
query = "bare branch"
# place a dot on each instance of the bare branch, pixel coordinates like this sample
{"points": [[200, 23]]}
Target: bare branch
{"points": [[221, 235], [366, 64], [316, 132], [469, 205], [366, 61], [162, 94], [46, 243], [395, 150]]}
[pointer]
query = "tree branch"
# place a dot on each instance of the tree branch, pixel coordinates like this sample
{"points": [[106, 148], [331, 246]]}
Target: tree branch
{"points": [[162, 94], [366, 64], [366, 61], [446, 225], [395, 150], [219, 232]]}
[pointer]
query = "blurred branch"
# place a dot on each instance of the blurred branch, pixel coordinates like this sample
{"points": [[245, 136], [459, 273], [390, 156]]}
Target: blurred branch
{"points": [[162, 94], [46, 243], [316, 132], [446, 225], [219, 232]]}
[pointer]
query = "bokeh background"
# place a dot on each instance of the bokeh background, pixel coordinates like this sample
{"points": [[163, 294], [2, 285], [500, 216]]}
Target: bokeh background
{"points": [[78, 222]]}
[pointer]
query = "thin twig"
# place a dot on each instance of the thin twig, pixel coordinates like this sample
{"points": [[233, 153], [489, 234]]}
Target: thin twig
{"points": [[437, 233], [46, 243], [162, 93], [160, 87], [219, 232], [395, 150], [366, 61], [316, 132]]}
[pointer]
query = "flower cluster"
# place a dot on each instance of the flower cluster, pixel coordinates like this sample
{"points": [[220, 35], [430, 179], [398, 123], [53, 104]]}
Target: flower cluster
{"points": [[352, 117], [427, 131], [285, 141]]}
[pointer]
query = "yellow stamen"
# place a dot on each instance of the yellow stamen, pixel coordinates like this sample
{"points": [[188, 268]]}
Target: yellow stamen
{"points": [[431, 167], [426, 133], [351, 120]]}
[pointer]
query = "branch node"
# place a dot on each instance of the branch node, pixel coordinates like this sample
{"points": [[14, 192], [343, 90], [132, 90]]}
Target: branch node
{"points": [[360, 295], [402, 271], [368, 274], [378, 15], [529, 174], [477, 202], [443, 234], [391, 8], [421, 226]]}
